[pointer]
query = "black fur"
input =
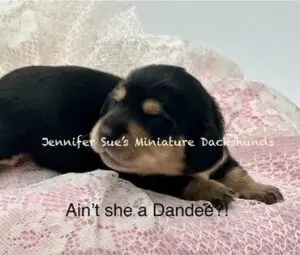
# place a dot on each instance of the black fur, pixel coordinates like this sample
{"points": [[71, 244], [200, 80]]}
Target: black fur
{"points": [[189, 111], [54, 103], [64, 102]]}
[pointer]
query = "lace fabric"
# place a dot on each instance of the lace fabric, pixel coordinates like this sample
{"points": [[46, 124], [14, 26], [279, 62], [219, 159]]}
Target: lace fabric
{"points": [[108, 36]]}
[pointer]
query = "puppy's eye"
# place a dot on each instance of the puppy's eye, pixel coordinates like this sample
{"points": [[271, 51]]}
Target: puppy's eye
{"points": [[154, 120], [162, 119]]}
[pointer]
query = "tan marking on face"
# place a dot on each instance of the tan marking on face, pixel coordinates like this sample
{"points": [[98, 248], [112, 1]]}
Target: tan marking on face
{"points": [[119, 93], [151, 106], [95, 137], [246, 187], [135, 158], [169, 160]]}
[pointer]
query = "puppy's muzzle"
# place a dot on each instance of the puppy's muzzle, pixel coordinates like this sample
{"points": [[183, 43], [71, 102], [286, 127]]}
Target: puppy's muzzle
{"points": [[107, 133], [129, 158]]}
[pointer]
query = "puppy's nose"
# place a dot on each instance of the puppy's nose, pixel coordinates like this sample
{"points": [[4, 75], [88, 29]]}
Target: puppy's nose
{"points": [[106, 132], [112, 134]]}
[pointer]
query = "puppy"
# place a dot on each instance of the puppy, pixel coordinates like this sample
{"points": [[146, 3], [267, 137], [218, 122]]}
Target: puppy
{"points": [[147, 126]]}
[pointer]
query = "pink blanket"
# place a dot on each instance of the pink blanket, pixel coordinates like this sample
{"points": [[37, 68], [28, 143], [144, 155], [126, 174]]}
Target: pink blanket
{"points": [[34, 204], [262, 132]]}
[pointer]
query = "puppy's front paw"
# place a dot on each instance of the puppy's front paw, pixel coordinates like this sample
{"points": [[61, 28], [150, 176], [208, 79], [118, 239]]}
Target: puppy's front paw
{"points": [[209, 190], [264, 193]]}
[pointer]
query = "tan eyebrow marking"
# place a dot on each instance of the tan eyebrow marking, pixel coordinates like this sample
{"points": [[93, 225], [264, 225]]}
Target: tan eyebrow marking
{"points": [[119, 93], [151, 106]]}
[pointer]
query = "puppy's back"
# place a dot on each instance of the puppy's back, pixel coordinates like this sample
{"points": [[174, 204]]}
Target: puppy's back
{"points": [[55, 102]]}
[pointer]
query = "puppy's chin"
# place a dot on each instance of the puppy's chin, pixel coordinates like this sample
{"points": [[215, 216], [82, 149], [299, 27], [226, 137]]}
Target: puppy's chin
{"points": [[157, 161], [144, 160], [114, 161], [121, 159]]}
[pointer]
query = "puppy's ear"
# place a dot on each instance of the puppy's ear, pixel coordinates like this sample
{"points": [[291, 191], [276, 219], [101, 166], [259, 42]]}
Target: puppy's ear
{"points": [[208, 147]]}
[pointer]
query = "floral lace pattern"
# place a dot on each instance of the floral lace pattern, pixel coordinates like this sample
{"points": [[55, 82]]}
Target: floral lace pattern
{"points": [[108, 36]]}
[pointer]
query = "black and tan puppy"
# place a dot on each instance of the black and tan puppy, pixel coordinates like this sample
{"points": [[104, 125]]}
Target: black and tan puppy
{"points": [[149, 127]]}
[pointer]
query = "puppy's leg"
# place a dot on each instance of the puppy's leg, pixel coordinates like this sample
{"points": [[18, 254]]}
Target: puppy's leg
{"points": [[228, 180], [15, 160], [240, 182], [11, 149], [202, 188]]}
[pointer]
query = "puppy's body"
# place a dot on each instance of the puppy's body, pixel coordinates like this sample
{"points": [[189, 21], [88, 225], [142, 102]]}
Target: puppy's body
{"points": [[41, 103], [61, 103]]}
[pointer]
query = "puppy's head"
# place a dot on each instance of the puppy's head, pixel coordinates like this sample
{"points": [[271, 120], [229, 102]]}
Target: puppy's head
{"points": [[153, 121]]}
